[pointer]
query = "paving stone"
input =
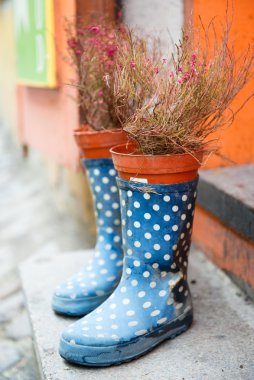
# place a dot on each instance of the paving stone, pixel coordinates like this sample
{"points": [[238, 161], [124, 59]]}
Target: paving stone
{"points": [[9, 355], [219, 345], [25, 368], [10, 306], [7, 260], [19, 327], [9, 284], [29, 222]]}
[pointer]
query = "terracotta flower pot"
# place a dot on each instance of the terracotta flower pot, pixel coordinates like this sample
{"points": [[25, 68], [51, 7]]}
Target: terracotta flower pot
{"points": [[160, 169], [97, 144]]}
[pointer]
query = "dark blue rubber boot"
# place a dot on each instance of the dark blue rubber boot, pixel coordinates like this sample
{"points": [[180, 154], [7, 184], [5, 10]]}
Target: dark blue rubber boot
{"points": [[83, 292], [152, 303]]}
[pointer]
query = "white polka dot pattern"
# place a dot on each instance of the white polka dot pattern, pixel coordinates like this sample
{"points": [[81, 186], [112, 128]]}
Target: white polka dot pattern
{"points": [[153, 290], [106, 268]]}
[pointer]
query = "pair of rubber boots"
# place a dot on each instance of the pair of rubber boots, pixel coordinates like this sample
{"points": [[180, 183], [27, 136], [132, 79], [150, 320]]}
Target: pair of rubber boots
{"points": [[136, 286]]}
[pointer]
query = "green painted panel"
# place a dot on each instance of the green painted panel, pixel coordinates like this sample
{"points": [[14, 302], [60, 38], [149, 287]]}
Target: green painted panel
{"points": [[35, 53]]}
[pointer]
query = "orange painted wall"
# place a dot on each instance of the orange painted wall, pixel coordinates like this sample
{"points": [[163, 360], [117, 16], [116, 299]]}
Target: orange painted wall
{"points": [[237, 142], [225, 247]]}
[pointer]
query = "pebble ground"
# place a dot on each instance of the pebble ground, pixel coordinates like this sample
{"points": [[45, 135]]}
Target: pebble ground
{"points": [[29, 223]]}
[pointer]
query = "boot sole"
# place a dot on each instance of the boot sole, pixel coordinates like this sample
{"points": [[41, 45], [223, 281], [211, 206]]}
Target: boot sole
{"points": [[76, 308], [95, 356]]}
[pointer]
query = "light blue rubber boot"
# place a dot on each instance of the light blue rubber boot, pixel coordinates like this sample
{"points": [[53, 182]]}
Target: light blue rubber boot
{"points": [[152, 303], [87, 289]]}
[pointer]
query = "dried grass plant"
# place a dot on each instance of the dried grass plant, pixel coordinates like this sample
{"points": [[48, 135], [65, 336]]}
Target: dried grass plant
{"points": [[107, 57], [91, 52], [132, 83], [175, 105]]}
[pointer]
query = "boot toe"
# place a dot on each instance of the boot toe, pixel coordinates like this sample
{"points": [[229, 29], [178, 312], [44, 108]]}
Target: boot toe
{"points": [[119, 330], [78, 300], [87, 289]]}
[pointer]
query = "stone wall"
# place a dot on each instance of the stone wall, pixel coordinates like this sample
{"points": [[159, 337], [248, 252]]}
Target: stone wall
{"points": [[162, 18]]}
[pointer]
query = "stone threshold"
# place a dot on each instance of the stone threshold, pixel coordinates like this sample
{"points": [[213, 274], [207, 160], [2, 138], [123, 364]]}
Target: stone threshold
{"points": [[228, 193], [224, 221]]}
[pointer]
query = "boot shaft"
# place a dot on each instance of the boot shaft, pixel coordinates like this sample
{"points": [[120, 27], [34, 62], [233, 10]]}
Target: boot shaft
{"points": [[157, 225], [102, 179]]}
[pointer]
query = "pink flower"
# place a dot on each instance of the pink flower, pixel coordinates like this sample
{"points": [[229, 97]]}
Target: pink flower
{"points": [[95, 29], [72, 43], [186, 75], [133, 64], [156, 70], [180, 81], [108, 64], [111, 51], [156, 129], [122, 29], [180, 69], [100, 93], [111, 36]]}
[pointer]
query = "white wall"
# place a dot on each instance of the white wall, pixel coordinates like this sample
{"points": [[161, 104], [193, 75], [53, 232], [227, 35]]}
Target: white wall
{"points": [[163, 18]]}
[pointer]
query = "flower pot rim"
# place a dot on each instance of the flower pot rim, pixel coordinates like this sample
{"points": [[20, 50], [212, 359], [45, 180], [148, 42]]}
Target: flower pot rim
{"points": [[114, 151], [97, 144], [166, 168], [83, 131]]}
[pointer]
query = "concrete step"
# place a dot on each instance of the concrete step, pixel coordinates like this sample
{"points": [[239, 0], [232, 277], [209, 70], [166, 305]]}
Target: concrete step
{"points": [[224, 221], [219, 345], [228, 193]]}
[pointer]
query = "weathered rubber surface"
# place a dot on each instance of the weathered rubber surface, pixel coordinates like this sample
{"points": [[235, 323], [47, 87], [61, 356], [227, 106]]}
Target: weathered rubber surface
{"points": [[77, 307], [99, 356]]}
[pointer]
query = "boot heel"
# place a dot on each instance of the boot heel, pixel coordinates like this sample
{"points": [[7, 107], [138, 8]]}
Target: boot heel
{"points": [[180, 326]]}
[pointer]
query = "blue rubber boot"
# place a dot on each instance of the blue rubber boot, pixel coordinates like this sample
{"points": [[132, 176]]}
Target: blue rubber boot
{"points": [[87, 289], [152, 302]]}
